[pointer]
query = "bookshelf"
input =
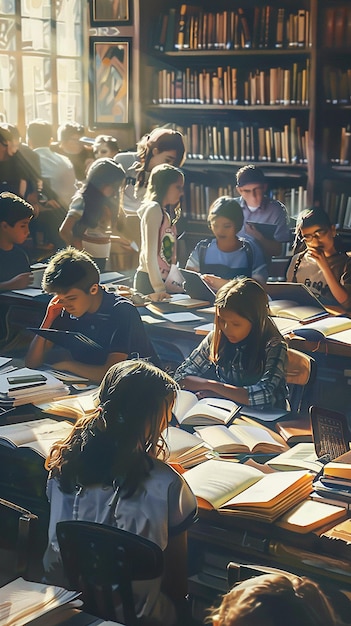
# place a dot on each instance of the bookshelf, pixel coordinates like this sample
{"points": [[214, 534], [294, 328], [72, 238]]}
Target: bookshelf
{"points": [[333, 144], [251, 83]]}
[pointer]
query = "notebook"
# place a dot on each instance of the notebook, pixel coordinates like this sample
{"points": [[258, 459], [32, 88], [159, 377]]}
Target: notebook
{"points": [[196, 287]]}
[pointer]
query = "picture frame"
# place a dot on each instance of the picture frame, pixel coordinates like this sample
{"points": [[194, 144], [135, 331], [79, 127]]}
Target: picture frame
{"points": [[110, 12], [109, 81]]}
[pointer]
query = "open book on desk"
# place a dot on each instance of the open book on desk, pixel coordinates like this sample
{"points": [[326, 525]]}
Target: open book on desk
{"points": [[39, 435], [243, 490], [241, 439], [74, 406], [186, 449], [335, 328], [190, 411], [301, 456], [295, 301], [21, 601]]}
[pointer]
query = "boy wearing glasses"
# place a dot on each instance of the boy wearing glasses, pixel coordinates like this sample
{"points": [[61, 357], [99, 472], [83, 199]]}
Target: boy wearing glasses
{"points": [[258, 208], [320, 266]]}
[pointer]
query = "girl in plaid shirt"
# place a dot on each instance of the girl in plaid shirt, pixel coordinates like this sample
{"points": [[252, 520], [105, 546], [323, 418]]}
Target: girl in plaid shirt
{"points": [[244, 358]]}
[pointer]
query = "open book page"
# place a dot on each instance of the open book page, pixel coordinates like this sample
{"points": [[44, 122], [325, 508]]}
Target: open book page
{"points": [[39, 435], [310, 515], [75, 406], [343, 336], [326, 327], [292, 310], [215, 481], [185, 448], [258, 439], [240, 439], [22, 601], [301, 456], [270, 489], [189, 410]]}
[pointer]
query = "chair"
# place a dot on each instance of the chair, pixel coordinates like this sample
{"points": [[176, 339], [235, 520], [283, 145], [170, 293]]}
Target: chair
{"points": [[102, 561], [16, 538], [300, 376]]}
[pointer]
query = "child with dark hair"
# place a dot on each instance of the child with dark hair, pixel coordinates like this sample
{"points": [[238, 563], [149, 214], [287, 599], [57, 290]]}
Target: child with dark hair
{"points": [[161, 145], [226, 255], [111, 470], [326, 271], [273, 600], [105, 146], [80, 305], [244, 358], [93, 213], [15, 216], [258, 208]]}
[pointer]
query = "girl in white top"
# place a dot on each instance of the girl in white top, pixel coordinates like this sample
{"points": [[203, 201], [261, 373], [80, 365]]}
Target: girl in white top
{"points": [[109, 470], [93, 213], [158, 214]]}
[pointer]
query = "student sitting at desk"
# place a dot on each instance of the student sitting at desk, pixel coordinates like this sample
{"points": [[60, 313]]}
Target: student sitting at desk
{"points": [[109, 470], [244, 358], [226, 255], [81, 305], [320, 266], [15, 215]]}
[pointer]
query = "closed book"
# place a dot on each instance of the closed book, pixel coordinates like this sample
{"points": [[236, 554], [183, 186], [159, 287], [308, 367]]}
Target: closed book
{"points": [[295, 431], [339, 467]]}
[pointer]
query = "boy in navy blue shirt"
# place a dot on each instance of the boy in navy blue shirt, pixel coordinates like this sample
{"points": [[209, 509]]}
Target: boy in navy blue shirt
{"points": [[15, 215], [82, 306]]}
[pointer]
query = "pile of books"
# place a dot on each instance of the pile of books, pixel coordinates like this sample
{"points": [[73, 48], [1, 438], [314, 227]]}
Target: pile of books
{"points": [[334, 485], [25, 386]]}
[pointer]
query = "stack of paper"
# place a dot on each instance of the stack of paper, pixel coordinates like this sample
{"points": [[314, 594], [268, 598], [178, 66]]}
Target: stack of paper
{"points": [[28, 386], [22, 601]]}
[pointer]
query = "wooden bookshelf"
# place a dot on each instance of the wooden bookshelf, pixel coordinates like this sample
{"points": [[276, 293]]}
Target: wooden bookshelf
{"points": [[251, 83]]}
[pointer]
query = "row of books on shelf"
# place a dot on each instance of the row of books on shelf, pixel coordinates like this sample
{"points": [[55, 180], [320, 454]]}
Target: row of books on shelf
{"points": [[228, 86], [337, 144], [198, 198], [260, 27], [338, 207], [337, 85], [337, 26], [285, 143]]}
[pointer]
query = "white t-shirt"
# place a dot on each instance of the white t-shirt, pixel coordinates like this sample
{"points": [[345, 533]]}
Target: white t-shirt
{"points": [[162, 506]]}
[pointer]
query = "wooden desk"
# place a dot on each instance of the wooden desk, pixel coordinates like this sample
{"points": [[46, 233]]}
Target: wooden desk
{"points": [[217, 539]]}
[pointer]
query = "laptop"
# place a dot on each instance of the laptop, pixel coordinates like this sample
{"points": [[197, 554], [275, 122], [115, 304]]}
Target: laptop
{"points": [[331, 434], [196, 287], [296, 292]]}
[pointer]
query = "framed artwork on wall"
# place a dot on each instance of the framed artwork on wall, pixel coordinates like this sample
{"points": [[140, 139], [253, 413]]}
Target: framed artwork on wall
{"points": [[109, 81], [110, 12]]}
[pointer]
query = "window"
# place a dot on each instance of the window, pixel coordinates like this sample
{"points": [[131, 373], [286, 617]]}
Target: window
{"points": [[41, 67]]}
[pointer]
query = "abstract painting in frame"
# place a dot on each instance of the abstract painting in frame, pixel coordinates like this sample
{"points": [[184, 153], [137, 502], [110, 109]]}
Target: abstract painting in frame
{"points": [[109, 81], [110, 12]]}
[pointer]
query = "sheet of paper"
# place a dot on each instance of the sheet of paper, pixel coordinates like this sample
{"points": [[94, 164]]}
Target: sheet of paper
{"points": [[151, 320], [181, 317]]}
